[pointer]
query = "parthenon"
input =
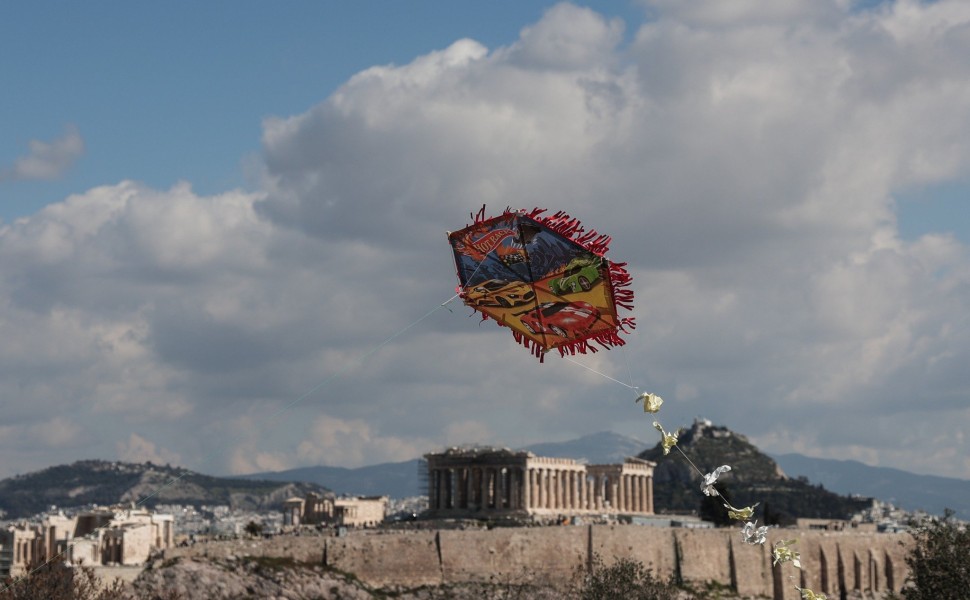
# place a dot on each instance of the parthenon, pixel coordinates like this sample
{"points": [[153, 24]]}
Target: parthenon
{"points": [[503, 482]]}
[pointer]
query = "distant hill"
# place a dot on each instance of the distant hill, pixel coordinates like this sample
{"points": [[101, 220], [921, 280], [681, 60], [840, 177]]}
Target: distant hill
{"points": [[396, 480], [106, 483], [906, 490], [601, 448], [754, 478]]}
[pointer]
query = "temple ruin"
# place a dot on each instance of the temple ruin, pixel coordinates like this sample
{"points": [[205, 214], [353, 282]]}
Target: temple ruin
{"points": [[476, 482], [317, 509]]}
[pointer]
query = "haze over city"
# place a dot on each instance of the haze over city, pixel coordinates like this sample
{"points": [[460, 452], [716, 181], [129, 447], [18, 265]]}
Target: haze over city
{"points": [[223, 244]]}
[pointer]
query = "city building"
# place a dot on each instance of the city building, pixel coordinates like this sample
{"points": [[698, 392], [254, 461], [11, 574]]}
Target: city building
{"points": [[366, 511], [96, 537]]}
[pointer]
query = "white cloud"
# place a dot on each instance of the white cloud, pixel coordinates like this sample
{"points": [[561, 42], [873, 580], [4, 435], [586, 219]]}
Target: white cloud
{"points": [[745, 163], [354, 443], [47, 160], [137, 449], [568, 37]]}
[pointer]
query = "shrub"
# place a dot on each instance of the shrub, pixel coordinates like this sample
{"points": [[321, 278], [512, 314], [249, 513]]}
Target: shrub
{"points": [[939, 561], [625, 579], [55, 581]]}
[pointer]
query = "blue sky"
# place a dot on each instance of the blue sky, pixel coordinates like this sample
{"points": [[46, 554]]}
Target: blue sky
{"points": [[178, 90], [222, 223]]}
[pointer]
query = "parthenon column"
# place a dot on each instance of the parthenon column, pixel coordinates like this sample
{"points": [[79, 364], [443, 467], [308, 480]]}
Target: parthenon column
{"points": [[486, 488], [527, 494]]}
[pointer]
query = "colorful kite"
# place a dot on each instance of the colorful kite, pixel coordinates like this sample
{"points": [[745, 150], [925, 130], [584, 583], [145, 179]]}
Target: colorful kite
{"points": [[544, 277]]}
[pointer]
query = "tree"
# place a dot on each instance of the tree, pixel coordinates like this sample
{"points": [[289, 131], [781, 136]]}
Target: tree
{"points": [[253, 528], [625, 579], [713, 509], [939, 561]]}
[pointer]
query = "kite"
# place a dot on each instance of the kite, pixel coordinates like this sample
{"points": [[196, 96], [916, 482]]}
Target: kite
{"points": [[544, 277]]}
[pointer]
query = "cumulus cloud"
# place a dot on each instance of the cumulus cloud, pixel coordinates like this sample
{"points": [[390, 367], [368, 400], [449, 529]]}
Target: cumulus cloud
{"points": [[47, 160], [746, 162], [137, 449], [353, 442]]}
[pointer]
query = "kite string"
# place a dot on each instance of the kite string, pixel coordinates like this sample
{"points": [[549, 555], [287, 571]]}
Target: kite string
{"points": [[588, 368]]}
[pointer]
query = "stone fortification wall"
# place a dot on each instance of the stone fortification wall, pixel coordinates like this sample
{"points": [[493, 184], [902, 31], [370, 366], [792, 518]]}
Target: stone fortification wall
{"points": [[541, 555], [652, 546], [388, 558], [862, 564]]}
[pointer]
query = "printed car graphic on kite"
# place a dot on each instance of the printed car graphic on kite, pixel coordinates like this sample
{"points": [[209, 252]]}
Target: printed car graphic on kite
{"points": [[499, 292], [565, 319], [580, 275]]}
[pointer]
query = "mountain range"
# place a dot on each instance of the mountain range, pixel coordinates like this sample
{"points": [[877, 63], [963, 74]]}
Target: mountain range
{"points": [[910, 491]]}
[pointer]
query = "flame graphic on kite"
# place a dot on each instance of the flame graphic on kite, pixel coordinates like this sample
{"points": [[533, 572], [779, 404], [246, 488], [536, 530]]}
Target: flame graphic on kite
{"points": [[544, 277]]}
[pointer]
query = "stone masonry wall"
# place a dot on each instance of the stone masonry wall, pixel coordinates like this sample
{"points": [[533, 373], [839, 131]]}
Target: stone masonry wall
{"points": [[863, 565]]}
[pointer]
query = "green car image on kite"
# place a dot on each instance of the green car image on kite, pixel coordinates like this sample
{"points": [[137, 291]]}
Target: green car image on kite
{"points": [[580, 275]]}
